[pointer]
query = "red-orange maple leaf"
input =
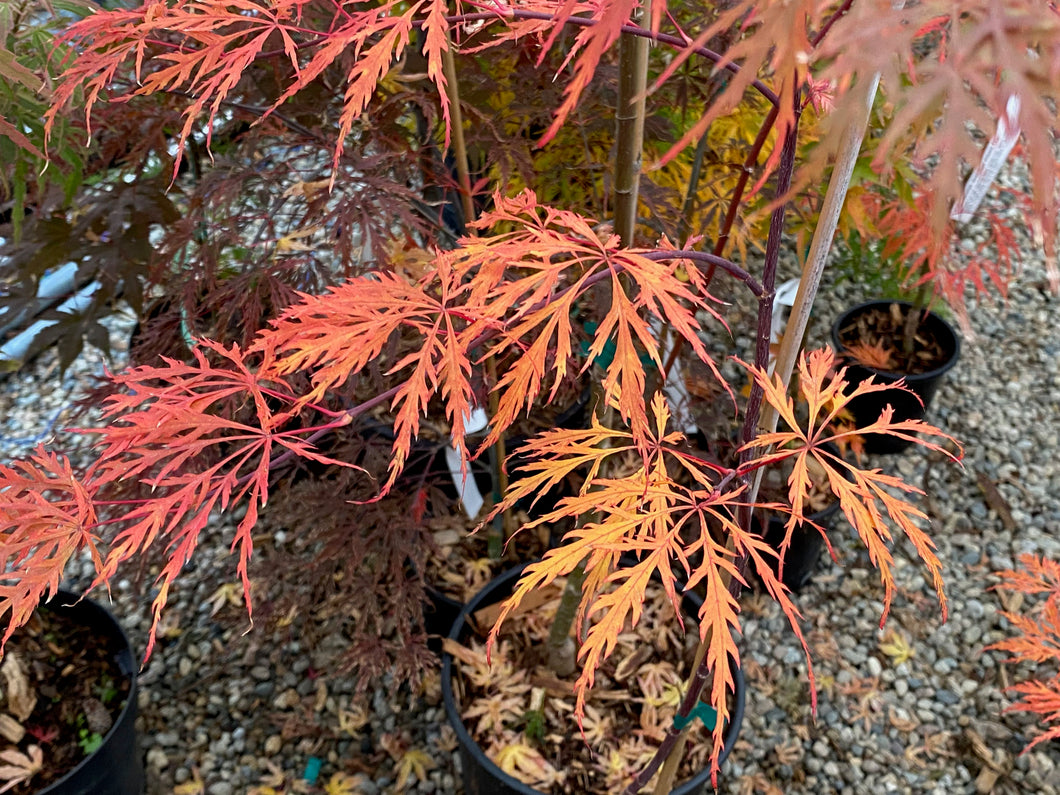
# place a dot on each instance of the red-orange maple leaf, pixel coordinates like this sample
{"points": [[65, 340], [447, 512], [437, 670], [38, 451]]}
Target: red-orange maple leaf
{"points": [[46, 516], [165, 430], [1036, 640]]}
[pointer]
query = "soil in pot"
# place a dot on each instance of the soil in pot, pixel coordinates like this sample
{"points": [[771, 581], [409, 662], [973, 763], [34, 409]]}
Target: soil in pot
{"points": [[61, 693], [518, 713], [872, 338]]}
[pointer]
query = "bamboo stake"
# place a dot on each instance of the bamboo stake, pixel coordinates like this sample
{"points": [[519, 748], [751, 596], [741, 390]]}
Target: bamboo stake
{"points": [[834, 198], [632, 87], [456, 117]]}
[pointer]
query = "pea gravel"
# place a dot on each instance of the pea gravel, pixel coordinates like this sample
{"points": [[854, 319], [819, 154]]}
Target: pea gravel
{"points": [[917, 707]]}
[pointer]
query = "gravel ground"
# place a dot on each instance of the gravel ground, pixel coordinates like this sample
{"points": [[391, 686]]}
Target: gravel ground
{"points": [[915, 708]]}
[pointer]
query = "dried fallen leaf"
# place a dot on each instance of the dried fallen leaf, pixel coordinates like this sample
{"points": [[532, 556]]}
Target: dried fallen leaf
{"points": [[291, 242], [342, 784], [789, 753], [524, 763], [354, 719], [10, 729], [896, 647], [996, 500], [321, 698], [17, 689], [19, 767], [415, 761], [902, 720], [229, 593]]}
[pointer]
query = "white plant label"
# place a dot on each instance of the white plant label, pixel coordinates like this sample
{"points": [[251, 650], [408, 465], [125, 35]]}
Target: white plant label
{"points": [[783, 301], [470, 497], [994, 156]]}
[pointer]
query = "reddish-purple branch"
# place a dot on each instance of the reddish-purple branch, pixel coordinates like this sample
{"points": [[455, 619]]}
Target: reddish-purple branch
{"points": [[754, 403], [714, 261]]}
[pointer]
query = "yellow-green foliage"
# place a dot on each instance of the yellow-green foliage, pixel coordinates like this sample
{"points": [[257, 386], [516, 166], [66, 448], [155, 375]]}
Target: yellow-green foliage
{"points": [[28, 61]]}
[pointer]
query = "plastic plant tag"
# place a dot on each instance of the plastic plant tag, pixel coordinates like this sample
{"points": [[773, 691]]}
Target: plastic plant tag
{"points": [[784, 299], [706, 713], [994, 156], [470, 497]]}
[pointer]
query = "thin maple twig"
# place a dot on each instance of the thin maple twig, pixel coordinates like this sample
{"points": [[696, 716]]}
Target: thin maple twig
{"points": [[745, 175], [684, 226], [837, 15], [769, 277], [711, 260], [730, 215], [348, 415]]}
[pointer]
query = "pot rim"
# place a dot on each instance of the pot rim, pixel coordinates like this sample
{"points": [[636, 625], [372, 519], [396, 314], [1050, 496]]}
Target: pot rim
{"points": [[894, 375], [469, 745], [96, 613]]}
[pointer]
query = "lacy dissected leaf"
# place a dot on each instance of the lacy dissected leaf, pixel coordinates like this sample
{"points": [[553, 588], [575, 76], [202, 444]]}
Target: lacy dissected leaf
{"points": [[949, 69], [166, 430], [1037, 576], [937, 259], [338, 334], [1037, 633], [682, 536], [774, 41], [537, 274], [47, 516], [589, 47], [1040, 698], [1036, 639], [514, 290], [866, 496], [203, 48]]}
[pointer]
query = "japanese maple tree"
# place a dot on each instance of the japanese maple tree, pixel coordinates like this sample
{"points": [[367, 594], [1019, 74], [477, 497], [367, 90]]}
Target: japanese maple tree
{"points": [[424, 327]]}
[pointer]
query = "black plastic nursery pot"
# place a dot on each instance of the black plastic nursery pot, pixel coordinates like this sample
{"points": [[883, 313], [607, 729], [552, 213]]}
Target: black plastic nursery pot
{"points": [[866, 409], [116, 767], [439, 614], [480, 775]]}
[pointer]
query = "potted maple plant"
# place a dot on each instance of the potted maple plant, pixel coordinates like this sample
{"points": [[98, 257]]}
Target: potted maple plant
{"points": [[647, 507], [927, 267], [891, 341], [69, 701]]}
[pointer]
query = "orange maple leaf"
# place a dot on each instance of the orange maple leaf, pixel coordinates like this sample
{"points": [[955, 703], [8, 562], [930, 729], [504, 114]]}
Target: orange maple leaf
{"points": [[668, 530], [47, 515], [865, 496], [1036, 640]]}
